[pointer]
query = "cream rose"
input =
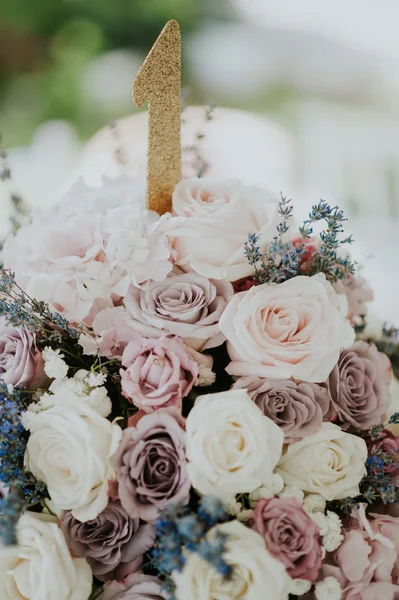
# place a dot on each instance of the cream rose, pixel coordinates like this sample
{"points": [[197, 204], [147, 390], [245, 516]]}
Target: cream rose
{"points": [[330, 463], [69, 448], [256, 574], [232, 447], [217, 218], [40, 567], [292, 329]]}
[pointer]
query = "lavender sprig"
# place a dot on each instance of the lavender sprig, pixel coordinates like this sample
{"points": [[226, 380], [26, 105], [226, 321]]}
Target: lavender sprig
{"points": [[22, 489], [281, 261], [22, 310], [326, 258]]}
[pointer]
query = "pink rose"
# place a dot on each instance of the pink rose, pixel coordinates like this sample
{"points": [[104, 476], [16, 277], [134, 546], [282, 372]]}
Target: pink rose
{"points": [[158, 373], [21, 363], [290, 536], [135, 587], [187, 305], [295, 329], [217, 217], [366, 561]]}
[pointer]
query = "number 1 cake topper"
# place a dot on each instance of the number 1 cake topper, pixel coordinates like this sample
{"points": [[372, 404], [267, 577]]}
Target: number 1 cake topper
{"points": [[159, 81]]}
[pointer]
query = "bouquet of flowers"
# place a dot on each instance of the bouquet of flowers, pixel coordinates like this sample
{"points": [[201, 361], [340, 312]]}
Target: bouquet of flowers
{"points": [[190, 405]]}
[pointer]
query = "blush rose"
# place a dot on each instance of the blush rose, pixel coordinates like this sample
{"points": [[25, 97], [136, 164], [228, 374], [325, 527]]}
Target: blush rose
{"points": [[158, 373], [217, 217], [295, 329]]}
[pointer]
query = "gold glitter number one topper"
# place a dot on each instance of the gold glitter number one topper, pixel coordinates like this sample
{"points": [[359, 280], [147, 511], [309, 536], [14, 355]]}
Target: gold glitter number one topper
{"points": [[159, 81]]}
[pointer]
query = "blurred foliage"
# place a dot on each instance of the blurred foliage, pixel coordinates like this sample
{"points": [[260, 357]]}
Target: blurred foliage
{"points": [[45, 46]]}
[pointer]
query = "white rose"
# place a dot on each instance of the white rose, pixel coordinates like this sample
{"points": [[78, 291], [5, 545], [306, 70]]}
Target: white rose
{"points": [[256, 574], [40, 567], [330, 463], [218, 216], [69, 448], [292, 329], [232, 447]]}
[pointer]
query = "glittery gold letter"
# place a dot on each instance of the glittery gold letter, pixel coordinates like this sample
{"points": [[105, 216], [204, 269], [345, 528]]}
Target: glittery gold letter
{"points": [[159, 81]]}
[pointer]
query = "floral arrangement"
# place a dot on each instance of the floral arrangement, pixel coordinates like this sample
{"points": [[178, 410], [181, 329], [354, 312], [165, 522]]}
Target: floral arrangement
{"points": [[190, 406]]}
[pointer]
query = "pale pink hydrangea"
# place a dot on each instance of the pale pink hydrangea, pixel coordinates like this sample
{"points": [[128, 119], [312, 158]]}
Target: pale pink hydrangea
{"points": [[81, 261], [136, 246]]}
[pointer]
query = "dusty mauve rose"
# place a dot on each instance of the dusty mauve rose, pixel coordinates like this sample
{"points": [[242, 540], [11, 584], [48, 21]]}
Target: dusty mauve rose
{"points": [[158, 372], [217, 218], [366, 562], [388, 443], [150, 464], [20, 361], [290, 536], [297, 407], [359, 386], [187, 305], [295, 329], [135, 587], [357, 292], [113, 543]]}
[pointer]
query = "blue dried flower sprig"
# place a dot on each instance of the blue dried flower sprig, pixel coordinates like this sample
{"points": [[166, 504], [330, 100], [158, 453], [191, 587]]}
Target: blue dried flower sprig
{"points": [[282, 259], [179, 530], [22, 489], [326, 258], [22, 310]]}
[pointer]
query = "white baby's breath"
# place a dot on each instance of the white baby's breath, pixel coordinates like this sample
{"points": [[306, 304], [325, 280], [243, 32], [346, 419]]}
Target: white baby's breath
{"points": [[298, 587], [206, 376], [314, 503], [328, 589], [291, 491], [54, 365]]}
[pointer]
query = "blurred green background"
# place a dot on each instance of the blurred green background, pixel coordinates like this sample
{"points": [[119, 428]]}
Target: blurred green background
{"points": [[48, 52]]}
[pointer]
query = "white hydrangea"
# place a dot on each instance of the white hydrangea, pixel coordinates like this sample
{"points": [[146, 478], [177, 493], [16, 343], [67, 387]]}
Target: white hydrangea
{"points": [[54, 365], [328, 589]]}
